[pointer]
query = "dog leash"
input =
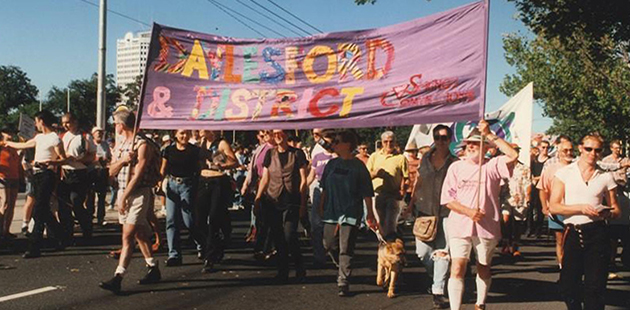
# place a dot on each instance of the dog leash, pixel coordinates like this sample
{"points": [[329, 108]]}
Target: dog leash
{"points": [[380, 238]]}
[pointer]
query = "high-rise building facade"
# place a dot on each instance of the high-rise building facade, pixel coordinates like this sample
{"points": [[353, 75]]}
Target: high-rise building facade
{"points": [[131, 56]]}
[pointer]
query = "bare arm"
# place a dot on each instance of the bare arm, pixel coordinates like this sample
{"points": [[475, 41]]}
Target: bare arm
{"points": [[118, 164], [502, 145], [611, 198], [264, 182], [303, 187], [544, 199], [163, 167], [21, 145], [61, 156], [311, 177], [231, 161], [139, 169], [475, 214]]}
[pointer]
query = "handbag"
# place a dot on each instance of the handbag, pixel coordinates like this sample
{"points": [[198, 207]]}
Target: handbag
{"points": [[425, 228]]}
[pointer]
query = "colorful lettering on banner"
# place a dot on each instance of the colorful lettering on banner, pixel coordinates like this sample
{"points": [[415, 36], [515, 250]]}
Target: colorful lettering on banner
{"points": [[290, 64], [276, 78], [307, 65], [372, 45], [196, 62], [162, 64], [249, 65], [229, 76], [157, 107], [349, 55], [423, 71]]}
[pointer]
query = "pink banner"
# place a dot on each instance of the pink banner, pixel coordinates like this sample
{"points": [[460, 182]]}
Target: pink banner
{"points": [[428, 70]]}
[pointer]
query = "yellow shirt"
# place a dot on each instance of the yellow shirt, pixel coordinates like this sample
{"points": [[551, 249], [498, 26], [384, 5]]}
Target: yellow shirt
{"points": [[395, 165]]}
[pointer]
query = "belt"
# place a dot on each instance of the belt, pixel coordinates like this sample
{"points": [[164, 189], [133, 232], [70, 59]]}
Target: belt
{"points": [[206, 174], [179, 180]]}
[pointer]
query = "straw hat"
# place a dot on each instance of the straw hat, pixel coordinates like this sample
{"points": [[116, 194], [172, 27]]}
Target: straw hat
{"points": [[475, 136], [96, 128], [412, 146]]}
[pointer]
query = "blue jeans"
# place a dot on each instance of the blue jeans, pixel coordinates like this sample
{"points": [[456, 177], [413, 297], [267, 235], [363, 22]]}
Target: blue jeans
{"points": [[317, 226], [178, 209], [437, 266]]}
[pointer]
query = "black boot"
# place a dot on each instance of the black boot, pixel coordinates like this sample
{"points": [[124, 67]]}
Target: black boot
{"points": [[32, 254], [112, 284], [153, 276], [440, 302], [207, 266]]}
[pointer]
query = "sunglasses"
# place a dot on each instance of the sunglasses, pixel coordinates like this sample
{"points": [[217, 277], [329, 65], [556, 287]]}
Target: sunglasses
{"points": [[441, 138], [590, 149]]}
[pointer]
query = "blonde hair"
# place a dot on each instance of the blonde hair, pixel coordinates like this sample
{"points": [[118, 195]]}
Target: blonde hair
{"points": [[593, 136]]}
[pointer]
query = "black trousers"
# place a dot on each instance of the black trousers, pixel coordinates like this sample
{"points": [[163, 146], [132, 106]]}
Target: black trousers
{"points": [[264, 243], [283, 222], [213, 226], [586, 254], [43, 186], [98, 180], [71, 192], [534, 214]]}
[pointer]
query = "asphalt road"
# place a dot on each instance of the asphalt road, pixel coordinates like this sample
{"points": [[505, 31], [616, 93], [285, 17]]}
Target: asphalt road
{"points": [[71, 279]]}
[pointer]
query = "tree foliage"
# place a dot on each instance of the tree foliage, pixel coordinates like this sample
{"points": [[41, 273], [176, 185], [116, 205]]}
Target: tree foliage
{"points": [[17, 94], [560, 19], [131, 93], [83, 99], [581, 91]]}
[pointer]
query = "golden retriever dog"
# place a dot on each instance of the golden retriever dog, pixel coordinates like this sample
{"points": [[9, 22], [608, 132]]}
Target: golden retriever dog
{"points": [[391, 258]]}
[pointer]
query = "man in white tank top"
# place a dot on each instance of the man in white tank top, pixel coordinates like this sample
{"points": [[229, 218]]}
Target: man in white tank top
{"points": [[73, 187]]}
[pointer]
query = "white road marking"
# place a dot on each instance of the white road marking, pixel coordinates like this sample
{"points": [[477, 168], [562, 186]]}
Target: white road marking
{"points": [[29, 293]]}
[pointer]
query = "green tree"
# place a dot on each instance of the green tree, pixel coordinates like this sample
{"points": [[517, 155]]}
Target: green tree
{"points": [[131, 93], [561, 19], [581, 92], [17, 94], [83, 99]]}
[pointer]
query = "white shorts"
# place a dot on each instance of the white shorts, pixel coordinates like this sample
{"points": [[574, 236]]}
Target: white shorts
{"points": [[138, 206], [484, 248]]}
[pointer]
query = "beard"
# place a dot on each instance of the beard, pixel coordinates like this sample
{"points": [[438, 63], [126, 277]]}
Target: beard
{"points": [[473, 155]]}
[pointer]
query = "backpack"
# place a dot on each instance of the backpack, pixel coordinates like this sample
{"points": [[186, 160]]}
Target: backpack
{"points": [[152, 175]]}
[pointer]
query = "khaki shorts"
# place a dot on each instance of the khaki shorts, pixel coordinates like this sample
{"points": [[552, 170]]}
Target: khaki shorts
{"points": [[138, 206], [484, 248]]}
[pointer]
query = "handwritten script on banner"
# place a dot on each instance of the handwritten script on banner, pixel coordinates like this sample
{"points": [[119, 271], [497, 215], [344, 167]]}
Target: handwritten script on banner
{"points": [[427, 70]]}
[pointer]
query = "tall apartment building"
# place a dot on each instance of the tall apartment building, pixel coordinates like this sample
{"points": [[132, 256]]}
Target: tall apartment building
{"points": [[131, 56]]}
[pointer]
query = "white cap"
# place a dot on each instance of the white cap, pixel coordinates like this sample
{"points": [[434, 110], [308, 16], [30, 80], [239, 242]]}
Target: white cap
{"points": [[96, 128], [166, 138]]}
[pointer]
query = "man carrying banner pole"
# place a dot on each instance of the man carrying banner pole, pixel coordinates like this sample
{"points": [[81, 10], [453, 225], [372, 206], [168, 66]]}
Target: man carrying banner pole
{"points": [[474, 222]]}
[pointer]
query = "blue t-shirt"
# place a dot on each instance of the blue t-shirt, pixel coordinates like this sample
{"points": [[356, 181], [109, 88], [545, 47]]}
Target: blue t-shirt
{"points": [[346, 183]]}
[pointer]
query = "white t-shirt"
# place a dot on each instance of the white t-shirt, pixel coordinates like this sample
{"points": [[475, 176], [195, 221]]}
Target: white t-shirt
{"points": [[576, 191], [75, 146], [45, 146]]}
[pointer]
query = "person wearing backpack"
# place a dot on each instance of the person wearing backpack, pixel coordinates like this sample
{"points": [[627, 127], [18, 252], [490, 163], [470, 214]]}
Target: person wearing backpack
{"points": [[136, 165], [72, 189]]}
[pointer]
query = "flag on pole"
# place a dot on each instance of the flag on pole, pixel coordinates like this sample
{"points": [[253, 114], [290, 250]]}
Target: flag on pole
{"points": [[512, 122]]}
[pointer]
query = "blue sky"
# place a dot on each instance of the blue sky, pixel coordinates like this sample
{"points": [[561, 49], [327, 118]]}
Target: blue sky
{"points": [[55, 42]]}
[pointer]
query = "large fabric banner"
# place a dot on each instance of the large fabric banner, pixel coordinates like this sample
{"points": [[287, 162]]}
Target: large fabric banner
{"points": [[512, 122], [430, 69]]}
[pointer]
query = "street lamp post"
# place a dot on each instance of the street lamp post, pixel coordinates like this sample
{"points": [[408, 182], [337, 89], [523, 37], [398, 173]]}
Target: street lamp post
{"points": [[100, 95]]}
